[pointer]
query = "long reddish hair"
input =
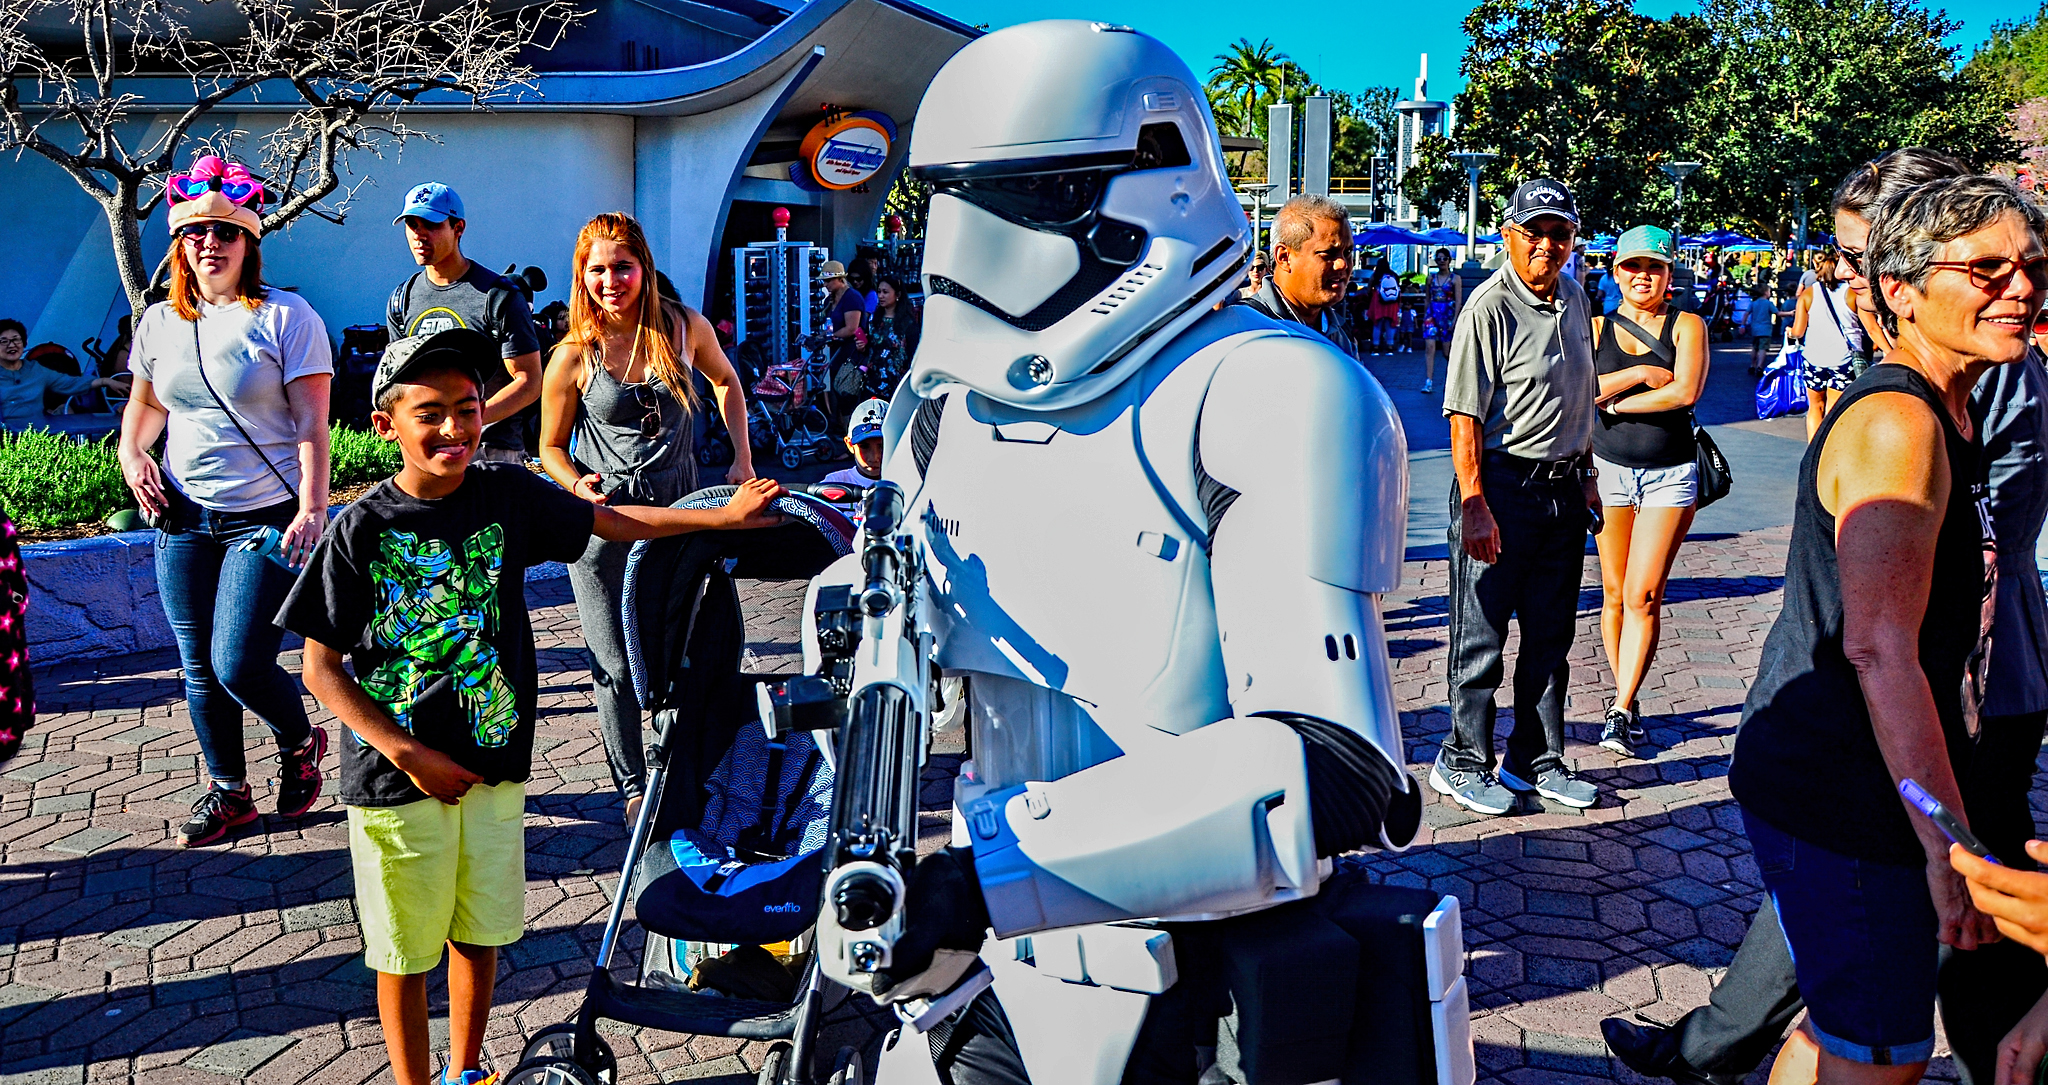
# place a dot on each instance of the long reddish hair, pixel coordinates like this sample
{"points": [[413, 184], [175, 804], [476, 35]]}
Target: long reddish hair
{"points": [[659, 330], [184, 290]]}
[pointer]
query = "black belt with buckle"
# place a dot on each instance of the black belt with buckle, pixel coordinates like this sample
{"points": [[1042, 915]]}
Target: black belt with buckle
{"points": [[1535, 470]]}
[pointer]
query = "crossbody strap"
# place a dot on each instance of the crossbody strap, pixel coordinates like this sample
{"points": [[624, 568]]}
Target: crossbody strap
{"points": [[199, 360], [1664, 352]]}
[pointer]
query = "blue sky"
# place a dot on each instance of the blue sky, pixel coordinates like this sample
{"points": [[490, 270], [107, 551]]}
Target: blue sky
{"points": [[1352, 45]]}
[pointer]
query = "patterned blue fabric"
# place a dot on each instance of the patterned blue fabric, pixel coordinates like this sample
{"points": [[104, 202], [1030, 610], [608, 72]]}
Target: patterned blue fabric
{"points": [[735, 793]]}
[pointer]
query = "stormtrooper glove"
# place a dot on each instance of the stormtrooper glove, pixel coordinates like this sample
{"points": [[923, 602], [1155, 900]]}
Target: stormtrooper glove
{"points": [[945, 922]]}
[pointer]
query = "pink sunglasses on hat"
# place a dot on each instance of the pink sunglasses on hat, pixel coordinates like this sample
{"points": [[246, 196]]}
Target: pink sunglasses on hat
{"points": [[213, 174]]}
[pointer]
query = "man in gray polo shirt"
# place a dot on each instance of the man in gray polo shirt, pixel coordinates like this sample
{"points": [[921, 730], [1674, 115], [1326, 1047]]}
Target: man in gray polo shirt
{"points": [[1519, 391]]}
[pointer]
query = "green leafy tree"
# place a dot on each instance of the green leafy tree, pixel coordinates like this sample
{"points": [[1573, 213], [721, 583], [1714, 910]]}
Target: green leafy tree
{"points": [[1583, 91], [1367, 123], [2016, 56], [1242, 79], [1434, 179], [1795, 93]]}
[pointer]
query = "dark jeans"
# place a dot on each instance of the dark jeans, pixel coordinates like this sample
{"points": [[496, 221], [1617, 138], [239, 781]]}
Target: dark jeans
{"points": [[1983, 992], [1542, 525], [220, 601]]}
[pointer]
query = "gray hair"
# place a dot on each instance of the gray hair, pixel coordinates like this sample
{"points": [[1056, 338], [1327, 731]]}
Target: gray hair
{"points": [[1912, 225], [1297, 219]]}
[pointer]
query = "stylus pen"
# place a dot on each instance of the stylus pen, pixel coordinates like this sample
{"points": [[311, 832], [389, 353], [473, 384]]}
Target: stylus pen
{"points": [[1945, 821]]}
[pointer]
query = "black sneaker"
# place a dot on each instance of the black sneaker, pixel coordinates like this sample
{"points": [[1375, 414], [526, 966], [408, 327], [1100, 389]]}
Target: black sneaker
{"points": [[1651, 1050], [298, 777], [215, 813], [1623, 732]]}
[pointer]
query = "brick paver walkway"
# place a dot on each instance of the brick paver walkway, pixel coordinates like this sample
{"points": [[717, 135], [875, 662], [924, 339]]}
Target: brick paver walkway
{"points": [[123, 957]]}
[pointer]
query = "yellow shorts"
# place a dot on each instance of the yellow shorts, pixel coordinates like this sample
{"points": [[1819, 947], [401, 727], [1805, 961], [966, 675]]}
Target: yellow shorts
{"points": [[428, 873]]}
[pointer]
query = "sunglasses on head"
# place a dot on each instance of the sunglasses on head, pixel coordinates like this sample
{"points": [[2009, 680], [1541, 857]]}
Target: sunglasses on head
{"points": [[223, 232], [212, 174], [1991, 274]]}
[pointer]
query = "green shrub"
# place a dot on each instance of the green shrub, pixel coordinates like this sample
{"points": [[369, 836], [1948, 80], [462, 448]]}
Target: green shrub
{"points": [[360, 457], [50, 480]]}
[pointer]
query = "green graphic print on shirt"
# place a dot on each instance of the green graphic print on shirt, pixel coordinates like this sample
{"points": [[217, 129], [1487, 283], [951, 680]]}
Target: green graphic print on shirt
{"points": [[437, 609]]}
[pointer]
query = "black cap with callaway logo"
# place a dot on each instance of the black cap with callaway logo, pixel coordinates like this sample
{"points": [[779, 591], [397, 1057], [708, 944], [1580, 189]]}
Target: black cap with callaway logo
{"points": [[1540, 197]]}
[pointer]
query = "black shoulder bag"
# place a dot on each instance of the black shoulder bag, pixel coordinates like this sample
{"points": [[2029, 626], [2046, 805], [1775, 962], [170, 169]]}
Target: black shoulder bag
{"points": [[1715, 478]]}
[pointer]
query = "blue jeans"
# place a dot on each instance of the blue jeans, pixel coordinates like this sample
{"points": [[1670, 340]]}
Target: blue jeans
{"points": [[1862, 936], [220, 601]]}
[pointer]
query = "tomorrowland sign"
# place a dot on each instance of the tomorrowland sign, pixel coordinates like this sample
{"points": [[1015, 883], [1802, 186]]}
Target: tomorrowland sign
{"points": [[843, 151]]}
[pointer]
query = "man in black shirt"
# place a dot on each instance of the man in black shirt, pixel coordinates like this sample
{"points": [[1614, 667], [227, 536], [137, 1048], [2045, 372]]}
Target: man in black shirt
{"points": [[452, 291]]}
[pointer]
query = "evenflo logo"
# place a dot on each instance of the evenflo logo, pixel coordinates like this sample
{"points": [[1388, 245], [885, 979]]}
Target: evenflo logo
{"points": [[790, 908]]}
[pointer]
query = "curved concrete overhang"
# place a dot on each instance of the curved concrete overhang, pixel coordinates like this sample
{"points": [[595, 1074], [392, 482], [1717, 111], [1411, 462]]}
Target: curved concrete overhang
{"points": [[870, 46]]}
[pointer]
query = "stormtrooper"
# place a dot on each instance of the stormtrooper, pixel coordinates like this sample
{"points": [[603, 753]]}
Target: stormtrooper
{"points": [[1149, 533]]}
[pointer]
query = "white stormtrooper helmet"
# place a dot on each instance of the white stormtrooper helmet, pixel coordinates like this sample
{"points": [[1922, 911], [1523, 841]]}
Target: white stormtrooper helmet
{"points": [[1081, 215]]}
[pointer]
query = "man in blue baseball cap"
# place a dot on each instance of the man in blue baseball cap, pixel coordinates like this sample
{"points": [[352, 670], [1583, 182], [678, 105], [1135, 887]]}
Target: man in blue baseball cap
{"points": [[452, 291]]}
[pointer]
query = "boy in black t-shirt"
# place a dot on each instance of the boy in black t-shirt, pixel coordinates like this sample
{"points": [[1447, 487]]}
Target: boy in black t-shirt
{"points": [[422, 583]]}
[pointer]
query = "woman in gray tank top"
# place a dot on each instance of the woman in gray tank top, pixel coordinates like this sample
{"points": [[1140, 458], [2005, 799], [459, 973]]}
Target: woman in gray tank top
{"points": [[617, 427]]}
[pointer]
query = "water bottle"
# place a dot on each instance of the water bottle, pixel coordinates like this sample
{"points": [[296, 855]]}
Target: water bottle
{"points": [[269, 542]]}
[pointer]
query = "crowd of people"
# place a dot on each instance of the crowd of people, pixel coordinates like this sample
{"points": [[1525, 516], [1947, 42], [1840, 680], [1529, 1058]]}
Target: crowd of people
{"points": [[1913, 643], [419, 583]]}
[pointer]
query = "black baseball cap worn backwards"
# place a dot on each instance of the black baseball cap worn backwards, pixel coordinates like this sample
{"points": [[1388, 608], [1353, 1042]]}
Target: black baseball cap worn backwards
{"points": [[1540, 197], [465, 349]]}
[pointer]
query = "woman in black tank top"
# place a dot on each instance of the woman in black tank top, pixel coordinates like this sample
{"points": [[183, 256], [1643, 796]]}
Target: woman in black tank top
{"points": [[1872, 672], [1652, 362]]}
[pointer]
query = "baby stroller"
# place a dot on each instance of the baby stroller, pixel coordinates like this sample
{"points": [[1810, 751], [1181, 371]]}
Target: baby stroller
{"points": [[726, 849], [801, 429]]}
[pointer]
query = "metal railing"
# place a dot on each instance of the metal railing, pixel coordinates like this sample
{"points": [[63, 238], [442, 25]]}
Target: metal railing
{"points": [[1343, 186]]}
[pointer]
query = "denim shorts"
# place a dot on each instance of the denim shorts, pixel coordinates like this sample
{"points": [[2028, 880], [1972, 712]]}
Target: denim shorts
{"points": [[1648, 487], [1862, 936]]}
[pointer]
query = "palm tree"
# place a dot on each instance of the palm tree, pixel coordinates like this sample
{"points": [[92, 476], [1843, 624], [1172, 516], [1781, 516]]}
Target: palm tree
{"points": [[1244, 75]]}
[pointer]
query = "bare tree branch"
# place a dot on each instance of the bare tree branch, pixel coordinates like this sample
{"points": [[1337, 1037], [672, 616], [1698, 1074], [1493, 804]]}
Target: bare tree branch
{"points": [[352, 68]]}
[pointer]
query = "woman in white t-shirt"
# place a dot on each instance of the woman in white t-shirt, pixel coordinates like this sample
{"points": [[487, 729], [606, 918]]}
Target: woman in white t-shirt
{"points": [[236, 375]]}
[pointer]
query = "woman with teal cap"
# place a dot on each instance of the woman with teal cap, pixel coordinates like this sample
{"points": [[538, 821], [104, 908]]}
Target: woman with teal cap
{"points": [[1652, 362]]}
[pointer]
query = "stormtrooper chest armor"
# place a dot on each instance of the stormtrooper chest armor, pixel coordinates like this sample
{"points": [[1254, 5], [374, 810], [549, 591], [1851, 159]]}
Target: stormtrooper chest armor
{"points": [[1068, 555]]}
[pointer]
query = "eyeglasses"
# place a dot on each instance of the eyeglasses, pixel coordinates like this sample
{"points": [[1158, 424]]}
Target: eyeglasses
{"points": [[224, 232], [1853, 258], [11, 341], [1562, 233], [1991, 274]]}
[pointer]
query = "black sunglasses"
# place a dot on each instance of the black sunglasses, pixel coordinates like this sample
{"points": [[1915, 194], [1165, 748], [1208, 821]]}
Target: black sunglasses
{"points": [[1853, 258], [650, 423], [223, 232]]}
